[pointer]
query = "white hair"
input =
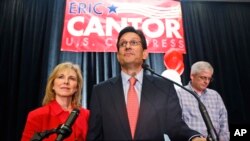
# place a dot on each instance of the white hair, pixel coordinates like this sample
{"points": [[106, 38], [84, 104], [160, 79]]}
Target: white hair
{"points": [[201, 66]]}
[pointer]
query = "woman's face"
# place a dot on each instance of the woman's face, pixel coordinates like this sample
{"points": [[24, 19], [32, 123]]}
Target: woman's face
{"points": [[65, 83]]}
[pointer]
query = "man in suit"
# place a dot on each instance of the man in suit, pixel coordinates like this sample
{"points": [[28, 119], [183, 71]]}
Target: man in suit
{"points": [[157, 112]]}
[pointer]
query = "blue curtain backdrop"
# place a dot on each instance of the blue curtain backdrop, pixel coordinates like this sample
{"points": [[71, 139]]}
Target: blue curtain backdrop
{"points": [[30, 36]]}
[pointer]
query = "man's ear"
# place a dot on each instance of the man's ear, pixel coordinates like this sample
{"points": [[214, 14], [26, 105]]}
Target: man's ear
{"points": [[145, 54], [191, 76], [117, 56]]}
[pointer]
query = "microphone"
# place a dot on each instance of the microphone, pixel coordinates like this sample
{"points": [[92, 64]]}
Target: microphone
{"points": [[212, 135], [65, 129]]}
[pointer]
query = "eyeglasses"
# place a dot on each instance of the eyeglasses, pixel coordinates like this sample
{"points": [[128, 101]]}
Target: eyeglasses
{"points": [[131, 43], [204, 78]]}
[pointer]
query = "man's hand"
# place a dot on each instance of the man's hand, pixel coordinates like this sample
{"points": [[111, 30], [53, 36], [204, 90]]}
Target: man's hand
{"points": [[199, 139]]}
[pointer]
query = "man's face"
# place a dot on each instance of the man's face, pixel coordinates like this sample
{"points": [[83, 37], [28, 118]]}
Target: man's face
{"points": [[201, 80], [130, 52]]}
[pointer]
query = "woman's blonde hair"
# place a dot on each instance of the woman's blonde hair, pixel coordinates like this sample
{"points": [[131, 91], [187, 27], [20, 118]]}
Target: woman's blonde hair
{"points": [[50, 94]]}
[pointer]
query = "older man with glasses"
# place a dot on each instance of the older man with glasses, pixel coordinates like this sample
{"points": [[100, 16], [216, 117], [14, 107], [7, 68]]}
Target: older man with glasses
{"points": [[201, 76]]}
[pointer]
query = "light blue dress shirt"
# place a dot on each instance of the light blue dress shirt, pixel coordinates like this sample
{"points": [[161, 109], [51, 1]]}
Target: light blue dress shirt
{"points": [[138, 84]]}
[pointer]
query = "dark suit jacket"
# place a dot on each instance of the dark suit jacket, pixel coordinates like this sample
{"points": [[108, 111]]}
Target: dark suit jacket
{"points": [[160, 112]]}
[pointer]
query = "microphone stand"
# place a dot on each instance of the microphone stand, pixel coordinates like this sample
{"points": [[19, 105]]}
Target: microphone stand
{"points": [[212, 135], [62, 132], [39, 136]]}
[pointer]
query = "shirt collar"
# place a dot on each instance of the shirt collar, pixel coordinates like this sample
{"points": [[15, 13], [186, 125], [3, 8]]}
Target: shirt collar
{"points": [[138, 76], [56, 108], [190, 87]]}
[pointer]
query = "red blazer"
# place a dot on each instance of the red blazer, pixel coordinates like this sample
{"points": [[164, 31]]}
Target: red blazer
{"points": [[51, 116]]}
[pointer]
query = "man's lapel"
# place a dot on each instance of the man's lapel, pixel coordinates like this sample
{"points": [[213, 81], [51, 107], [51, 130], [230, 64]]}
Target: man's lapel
{"points": [[146, 106], [120, 105]]}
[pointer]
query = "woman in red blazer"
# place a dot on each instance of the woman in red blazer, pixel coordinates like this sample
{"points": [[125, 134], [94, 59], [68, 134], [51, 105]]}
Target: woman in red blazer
{"points": [[63, 94]]}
